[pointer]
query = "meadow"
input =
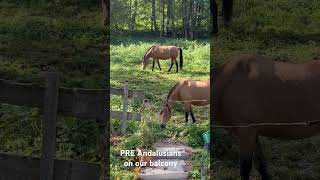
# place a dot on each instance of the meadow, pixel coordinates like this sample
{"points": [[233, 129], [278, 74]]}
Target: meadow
{"points": [[126, 54], [287, 31], [35, 36]]}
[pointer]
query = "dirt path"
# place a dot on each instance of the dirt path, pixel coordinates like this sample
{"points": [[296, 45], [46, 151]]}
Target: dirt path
{"points": [[173, 167]]}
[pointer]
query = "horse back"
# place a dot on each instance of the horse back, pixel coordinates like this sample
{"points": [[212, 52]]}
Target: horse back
{"points": [[255, 89], [165, 52], [195, 90]]}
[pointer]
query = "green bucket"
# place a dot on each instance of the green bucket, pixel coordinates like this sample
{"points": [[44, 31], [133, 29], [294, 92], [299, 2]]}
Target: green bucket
{"points": [[206, 137]]}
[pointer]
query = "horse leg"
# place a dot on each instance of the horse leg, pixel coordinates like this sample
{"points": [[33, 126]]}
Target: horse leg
{"points": [[247, 140], [187, 109], [186, 115], [158, 64], [153, 64], [260, 164], [170, 66], [177, 67], [192, 116]]}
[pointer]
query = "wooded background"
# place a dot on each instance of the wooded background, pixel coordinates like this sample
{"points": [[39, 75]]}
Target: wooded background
{"points": [[171, 18]]}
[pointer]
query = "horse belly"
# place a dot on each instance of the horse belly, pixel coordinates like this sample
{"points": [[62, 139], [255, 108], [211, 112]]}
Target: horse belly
{"points": [[197, 96], [271, 101], [289, 132]]}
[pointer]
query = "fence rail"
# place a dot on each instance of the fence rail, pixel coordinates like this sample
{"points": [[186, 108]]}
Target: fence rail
{"points": [[52, 99], [75, 102], [125, 115], [14, 167]]}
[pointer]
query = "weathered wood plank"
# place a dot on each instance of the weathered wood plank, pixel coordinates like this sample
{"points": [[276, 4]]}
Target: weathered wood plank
{"points": [[125, 109], [136, 94], [49, 126], [21, 94], [80, 103], [130, 115], [13, 167]]}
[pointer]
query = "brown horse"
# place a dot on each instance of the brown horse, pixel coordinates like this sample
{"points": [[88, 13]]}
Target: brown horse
{"points": [[267, 98], [163, 53], [188, 92]]}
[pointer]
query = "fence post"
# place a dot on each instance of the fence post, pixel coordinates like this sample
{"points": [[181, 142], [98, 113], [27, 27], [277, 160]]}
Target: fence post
{"points": [[49, 125], [104, 137], [125, 109], [104, 162]]}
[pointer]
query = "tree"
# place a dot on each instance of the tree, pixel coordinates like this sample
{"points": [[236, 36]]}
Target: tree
{"points": [[185, 18], [172, 18], [163, 17], [168, 16], [105, 12], [134, 14], [153, 17], [191, 18]]}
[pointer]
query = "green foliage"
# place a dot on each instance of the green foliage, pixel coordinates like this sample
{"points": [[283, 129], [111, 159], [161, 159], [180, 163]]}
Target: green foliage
{"points": [[134, 16]]}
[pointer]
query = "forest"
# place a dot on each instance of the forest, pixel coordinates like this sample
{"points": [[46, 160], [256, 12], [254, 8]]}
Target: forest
{"points": [[163, 18]]}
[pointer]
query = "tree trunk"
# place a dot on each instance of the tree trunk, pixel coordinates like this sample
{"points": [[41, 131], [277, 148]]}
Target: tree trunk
{"points": [[130, 12], [153, 17], [134, 14], [168, 17], [162, 20], [214, 16], [199, 17], [191, 17], [172, 18], [105, 13], [184, 18]]}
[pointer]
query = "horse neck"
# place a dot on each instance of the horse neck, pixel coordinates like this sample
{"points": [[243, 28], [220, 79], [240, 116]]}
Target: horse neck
{"points": [[172, 98], [148, 54]]}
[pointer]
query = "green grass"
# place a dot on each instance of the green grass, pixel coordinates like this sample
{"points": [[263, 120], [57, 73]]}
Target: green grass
{"points": [[126, 54], [286, 31], [34, 36]]}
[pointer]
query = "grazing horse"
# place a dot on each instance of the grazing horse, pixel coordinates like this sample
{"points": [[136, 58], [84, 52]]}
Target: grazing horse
{"points": [[262, 97], [188, 92], [163, 53], [227, 9]]}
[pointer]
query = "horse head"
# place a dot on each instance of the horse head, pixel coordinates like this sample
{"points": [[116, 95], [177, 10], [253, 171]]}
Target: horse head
{"points": [[144, 63], [165, 115]]}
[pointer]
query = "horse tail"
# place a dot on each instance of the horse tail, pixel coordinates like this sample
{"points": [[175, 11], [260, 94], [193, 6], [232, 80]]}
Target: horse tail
{"points": [[181, 58], [227, 6]]}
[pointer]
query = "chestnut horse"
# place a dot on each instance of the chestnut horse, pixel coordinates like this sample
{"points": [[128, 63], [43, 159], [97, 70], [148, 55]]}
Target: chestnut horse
{"points": [[188, 92], [258, 96], [163, 53]]}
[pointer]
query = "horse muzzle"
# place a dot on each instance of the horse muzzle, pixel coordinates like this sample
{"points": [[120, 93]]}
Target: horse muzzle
{"points": [[163, 125]]}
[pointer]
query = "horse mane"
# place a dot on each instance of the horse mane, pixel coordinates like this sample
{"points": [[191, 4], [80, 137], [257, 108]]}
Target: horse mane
{"points": [[172, 89], [148, 51]]}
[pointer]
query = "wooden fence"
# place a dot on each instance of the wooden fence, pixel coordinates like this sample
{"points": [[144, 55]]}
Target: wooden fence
{"points": [[125, 115], [79, 103]]}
